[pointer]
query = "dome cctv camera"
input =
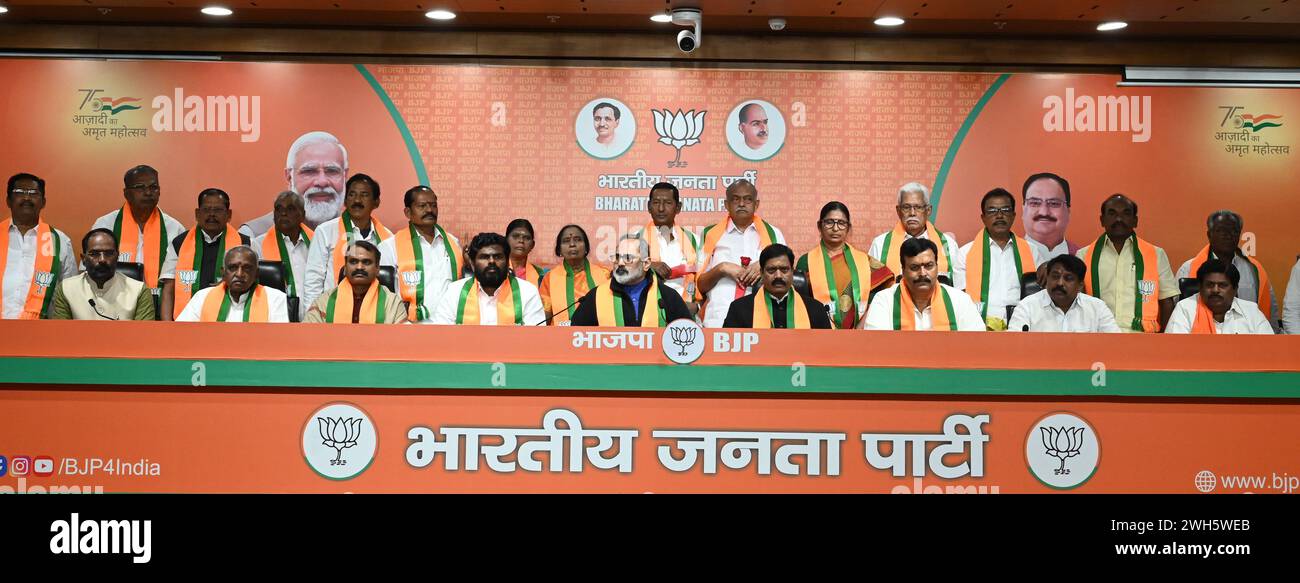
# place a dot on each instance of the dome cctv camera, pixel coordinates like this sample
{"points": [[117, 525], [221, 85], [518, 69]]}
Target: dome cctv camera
{"points": [[686, 41], [776, 23]]}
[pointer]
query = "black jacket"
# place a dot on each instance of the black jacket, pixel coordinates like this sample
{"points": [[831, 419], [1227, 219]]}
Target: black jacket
{"points": [[207, 271], [671, 301], [741, 313]]}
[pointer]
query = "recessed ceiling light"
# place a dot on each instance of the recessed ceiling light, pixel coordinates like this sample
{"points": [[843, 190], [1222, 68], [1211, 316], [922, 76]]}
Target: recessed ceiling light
{"points": [[3, 10], [662, 18], [217, 11], [889, 21], [1112, 25], [440, 14]]}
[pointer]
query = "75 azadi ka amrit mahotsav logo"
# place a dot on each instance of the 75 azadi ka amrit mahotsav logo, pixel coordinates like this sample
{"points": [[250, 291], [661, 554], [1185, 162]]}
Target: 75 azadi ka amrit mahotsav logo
{"points": [[1253, 122], [113, 105]]}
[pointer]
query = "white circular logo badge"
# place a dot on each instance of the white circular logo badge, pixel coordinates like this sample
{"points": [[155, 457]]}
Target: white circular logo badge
{"points": [[605, 128], [683, 341], [339, 441], [755, 130], [1062, 451]]}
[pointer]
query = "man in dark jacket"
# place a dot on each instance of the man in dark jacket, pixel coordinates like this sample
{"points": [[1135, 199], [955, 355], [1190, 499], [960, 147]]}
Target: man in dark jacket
{"points": [[634, 297]]}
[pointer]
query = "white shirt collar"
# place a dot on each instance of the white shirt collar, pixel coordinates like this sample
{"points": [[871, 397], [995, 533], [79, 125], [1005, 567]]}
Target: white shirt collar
{"points": [[1049, 304], [732, 228], [1062, 247]]}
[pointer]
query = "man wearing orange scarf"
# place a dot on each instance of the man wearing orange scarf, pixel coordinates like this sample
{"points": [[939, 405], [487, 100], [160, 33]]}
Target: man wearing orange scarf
{"points": [[359, 298], [1217, 309], [913, 223], [921, 302], [728, 258], [991, 267], [493, 296], [673, 250], [238, 298], [357, 223], [1223, 230], [143, 231], [34, 257], [195, 257], [777, 304], [1127, 272]]}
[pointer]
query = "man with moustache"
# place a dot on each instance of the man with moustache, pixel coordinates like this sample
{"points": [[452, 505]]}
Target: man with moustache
{"points": [[358, 223], [1128, 273], [1223, 230], [425, 256], [316, 168], [727, 259], [673, 250], [194, 262], [1046, 198], [921, 302], [753, 125], [1217, 309], [141, 229], [992, 265], [238, 298], [493, 296], [288, 242], [633, 297], [34, 256], [359, 297], [777, 304], [101, 293], [913, 211], [1059, 307], [605, 118]]}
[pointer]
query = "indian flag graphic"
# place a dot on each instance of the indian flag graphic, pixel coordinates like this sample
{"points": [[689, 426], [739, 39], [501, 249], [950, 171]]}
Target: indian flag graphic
{"points": [[116, 106], [1255, 123]]}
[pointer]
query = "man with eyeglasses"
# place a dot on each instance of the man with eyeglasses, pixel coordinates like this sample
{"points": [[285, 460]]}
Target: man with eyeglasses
{"points": [[634, 297], [316, 168], [141, 229], [1046, 197], [357, 223], [35, 255], [914, 223], [992, 265], [101, 293], [196, 258], [1223, 230]]}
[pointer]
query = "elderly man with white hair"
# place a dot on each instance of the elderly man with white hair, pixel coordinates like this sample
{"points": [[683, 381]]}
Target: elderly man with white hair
{"points": [[913, 223], [316, 168]]}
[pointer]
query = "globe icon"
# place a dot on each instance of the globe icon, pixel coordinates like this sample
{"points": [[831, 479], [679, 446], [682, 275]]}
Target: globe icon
{"points": [[1205, 481]]}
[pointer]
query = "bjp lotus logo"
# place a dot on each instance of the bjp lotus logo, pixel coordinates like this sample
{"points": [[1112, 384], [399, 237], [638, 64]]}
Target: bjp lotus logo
{"points": [[44, 279], [187, 276], [340, 434], [679, 130], [411, 278], [1062, 443]]}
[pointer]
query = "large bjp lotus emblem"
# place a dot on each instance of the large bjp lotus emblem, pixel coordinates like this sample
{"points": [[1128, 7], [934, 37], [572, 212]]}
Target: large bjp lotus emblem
{"points": [[339, 433], [679, 130], [1062, 443]]}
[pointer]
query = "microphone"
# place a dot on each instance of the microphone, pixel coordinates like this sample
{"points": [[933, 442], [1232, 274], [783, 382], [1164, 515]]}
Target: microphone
{"points": [[546, 322], [96, 308], [1025, 328]]}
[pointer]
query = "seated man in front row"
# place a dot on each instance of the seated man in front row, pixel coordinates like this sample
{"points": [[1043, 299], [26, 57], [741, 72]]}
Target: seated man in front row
{"points": [[634, 297], [1059, 307], [100, 292], [492, 296], [1216, 309], [237, 298], [921, 302], [359, 297], [777, 304]]}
